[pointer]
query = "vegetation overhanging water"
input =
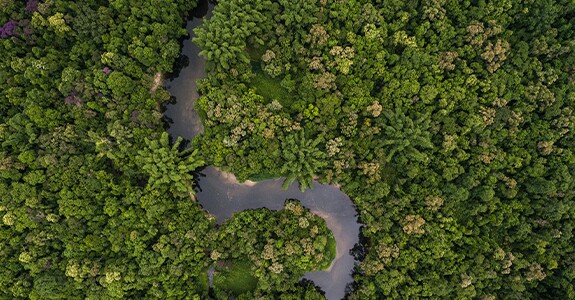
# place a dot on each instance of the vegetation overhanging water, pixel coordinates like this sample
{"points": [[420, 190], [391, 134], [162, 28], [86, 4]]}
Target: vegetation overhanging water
{"points": [[222, 195]]}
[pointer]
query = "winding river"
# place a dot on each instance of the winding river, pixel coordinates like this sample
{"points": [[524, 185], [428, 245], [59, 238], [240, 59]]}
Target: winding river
{"points": [[221, 195]]}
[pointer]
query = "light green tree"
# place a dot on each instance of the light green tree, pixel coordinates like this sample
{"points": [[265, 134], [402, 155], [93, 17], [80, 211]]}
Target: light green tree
{"points": [[302, 160], [168, 167]]}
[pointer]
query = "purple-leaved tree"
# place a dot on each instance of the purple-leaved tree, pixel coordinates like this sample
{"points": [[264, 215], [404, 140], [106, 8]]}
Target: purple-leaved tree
{"points": [[31, 6], [8, 29]]}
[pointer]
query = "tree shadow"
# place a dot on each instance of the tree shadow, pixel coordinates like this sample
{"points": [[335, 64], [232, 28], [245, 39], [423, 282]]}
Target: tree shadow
{"points": [[201, 10], [181, 63]]}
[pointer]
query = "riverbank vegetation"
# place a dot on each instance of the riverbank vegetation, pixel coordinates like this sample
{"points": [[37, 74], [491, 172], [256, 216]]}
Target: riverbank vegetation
{"points": [[270, 250], [449, 123]]}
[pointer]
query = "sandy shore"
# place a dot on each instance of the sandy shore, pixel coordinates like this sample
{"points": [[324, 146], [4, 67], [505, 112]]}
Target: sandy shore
{"points": [[231, 178], [337, 234], [157, 82]]}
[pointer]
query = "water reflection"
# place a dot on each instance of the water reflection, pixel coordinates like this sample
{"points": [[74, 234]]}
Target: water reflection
{"points": [[221, 195], [186, 122]]}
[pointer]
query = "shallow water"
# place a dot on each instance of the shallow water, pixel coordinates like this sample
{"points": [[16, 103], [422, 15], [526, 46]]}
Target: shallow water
{"points": [[221, 195]]}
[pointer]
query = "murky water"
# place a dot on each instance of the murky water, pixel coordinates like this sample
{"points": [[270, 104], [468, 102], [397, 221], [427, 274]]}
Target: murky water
{"points": [[222, 195], [186, 122]]}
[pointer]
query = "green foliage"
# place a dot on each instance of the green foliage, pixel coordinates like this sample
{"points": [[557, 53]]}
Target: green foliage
{"points": [[270, 88], [302, 160], [449, 123], [329, 245], [95, 202], [235, 277], [168, 168], [278, 247]]}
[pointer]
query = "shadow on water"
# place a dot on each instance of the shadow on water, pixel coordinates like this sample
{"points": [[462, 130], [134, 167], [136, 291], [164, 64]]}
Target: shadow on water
{"points": [[221, 195], [181, 63], [201, 10]]}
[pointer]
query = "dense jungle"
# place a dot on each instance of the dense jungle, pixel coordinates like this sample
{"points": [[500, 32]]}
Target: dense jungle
{"points": [[449, 123]]}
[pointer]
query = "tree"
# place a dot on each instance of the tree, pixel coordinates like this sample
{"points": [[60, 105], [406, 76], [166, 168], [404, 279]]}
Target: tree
{"points": [[169, 168], [302, 160]]}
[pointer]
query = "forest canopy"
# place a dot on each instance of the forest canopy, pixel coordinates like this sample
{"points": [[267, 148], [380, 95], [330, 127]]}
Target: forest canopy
{"points": [[449, 123], [95, 200]]}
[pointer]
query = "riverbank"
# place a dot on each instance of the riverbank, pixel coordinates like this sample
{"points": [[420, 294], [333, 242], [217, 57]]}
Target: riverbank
{"points": [[221, 194], [231, 179]]}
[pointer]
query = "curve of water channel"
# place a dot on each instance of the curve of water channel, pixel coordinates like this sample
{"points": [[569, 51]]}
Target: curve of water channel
{"points": [[221, 195]]}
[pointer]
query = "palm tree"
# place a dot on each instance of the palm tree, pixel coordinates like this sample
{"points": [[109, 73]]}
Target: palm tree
{"points": [[167, 166], [302, 160], [403, 135]]}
